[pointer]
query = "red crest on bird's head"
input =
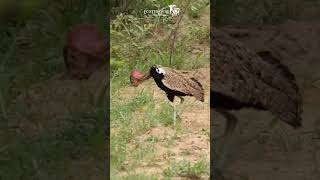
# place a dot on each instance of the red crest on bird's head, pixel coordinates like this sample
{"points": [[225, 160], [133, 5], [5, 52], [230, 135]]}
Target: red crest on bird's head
{"points": [[135, 77]]}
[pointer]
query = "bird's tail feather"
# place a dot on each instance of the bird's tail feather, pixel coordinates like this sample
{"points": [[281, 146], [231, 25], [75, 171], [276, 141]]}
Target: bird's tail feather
{"points": [[288, 105], [200, 94]]}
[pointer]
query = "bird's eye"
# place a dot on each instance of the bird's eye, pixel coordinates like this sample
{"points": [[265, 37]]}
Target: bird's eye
{"points": [[160, 71]]}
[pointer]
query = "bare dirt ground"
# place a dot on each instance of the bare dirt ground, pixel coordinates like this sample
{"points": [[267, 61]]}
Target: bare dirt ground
{"points": [[281, 152]]}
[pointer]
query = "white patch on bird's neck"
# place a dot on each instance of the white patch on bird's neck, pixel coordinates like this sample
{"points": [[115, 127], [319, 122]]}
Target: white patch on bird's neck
{"points": [[160, 71]]}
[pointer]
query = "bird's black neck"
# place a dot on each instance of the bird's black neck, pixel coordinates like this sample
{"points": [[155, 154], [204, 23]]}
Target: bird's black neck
{"points": [[155, 75]]}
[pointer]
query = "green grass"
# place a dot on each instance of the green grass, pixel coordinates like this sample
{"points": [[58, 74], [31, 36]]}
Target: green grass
{"points": [[185, 168], [130, 120], [136, 7], [196, 8], [140, 177]]}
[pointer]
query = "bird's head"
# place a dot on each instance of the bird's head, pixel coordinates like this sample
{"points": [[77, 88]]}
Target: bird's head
{"points": [[137, 77], [157, 70]]}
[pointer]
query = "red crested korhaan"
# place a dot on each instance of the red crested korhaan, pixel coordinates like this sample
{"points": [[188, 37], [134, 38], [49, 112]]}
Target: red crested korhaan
{"points": [[173, 82], [241, 78]]}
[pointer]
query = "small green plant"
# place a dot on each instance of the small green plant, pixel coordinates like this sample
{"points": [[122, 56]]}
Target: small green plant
{"points": [[185, 168], [197, 7], [123, 119], [165, 116], [200, 32]]}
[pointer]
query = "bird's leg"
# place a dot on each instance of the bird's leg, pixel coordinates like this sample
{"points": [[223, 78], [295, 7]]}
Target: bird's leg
{"points": [[174, 115], [180, 105], [177, 110]]}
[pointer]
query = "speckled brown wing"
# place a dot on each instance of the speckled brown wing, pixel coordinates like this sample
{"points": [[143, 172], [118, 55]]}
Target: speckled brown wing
{"points": [[178, 81], [241, 74]]}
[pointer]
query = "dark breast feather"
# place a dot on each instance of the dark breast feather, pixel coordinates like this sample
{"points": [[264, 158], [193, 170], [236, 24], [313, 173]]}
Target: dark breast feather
{"points": [[169, 92]]}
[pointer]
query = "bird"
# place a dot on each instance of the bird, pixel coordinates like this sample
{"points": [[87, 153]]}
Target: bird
{"points": [[241, 78], [173, 82]]}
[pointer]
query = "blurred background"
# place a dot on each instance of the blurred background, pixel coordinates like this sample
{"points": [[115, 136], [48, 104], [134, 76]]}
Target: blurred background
{"points": [[49, 128], [288, 29], [255, 12]]}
